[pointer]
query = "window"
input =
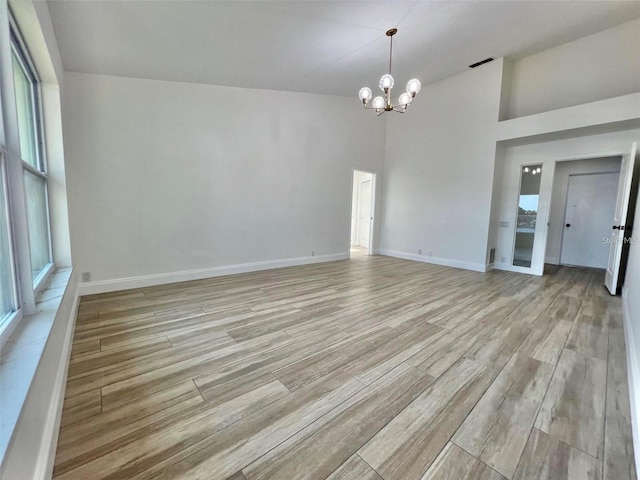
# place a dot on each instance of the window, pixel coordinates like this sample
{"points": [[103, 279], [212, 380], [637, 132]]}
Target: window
{"points": [[31, 152]]}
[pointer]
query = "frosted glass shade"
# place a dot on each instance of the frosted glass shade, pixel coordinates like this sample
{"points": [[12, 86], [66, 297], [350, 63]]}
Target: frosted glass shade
{"points": [[386, 82], [413, 86], [378, 102], [365, 94], [405, 99]]}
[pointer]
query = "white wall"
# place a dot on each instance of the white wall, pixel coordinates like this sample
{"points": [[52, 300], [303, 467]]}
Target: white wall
{"points": [[599, 66], [547, 154], [559, 195], [168, 177], [439, 170]]}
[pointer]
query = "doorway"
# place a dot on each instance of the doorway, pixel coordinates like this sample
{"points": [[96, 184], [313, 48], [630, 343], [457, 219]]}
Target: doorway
{"points": [[362, 212], [589, 210]]}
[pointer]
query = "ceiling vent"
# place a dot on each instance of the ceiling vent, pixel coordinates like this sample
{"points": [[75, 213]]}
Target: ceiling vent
{"points": [[481, 62]]}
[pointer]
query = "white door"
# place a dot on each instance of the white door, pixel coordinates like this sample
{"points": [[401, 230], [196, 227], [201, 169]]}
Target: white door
{"points": [[619, 219], [591, 201], [364, 213]]}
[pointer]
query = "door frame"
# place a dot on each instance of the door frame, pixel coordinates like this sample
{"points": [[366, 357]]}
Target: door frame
{"points": [[542, 227], [372, 223], [631, 181], [564, 209], [361, 204]]}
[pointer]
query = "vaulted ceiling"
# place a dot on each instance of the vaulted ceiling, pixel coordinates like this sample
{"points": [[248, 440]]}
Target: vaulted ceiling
{"points": [[329, 47]]}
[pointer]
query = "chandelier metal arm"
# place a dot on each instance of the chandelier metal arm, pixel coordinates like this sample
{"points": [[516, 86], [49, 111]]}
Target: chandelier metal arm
{"points": [[395, 108]]}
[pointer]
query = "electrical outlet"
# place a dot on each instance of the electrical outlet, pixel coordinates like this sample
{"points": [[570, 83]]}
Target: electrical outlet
{"points": [[429, 253], [419, 251], [86, 276], [313, 253], [503, 259]]}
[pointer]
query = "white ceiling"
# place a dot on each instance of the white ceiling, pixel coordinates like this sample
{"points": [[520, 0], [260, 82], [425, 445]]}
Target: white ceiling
{"points": [[331, 47]]}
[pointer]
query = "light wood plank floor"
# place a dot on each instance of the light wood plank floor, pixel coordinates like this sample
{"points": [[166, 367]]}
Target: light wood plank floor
{"points": [[372, 368]]}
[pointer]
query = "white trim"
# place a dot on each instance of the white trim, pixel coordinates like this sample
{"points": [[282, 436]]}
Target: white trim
{"points": [[103, 286], [43, 277], [447, 262], [599, 113], [8, 325], [47, 452], [372, 212], [507, 267], [633, 376]]}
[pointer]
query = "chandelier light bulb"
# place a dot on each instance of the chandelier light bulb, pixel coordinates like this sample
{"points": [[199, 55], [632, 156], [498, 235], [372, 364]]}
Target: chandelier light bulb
{"points": [[405, 99], [526, 170], [413, 86], [365, 94], [386, 82], [378, 102], [538, 169]]}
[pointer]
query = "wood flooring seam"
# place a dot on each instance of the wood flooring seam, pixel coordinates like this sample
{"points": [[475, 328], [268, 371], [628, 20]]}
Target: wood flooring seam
{"points": [[478, 459], [377, 473]]}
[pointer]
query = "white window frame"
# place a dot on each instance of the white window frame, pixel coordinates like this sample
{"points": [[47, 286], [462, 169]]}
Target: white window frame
{"points": [[21, 51], [9, 322], [25, 287]]}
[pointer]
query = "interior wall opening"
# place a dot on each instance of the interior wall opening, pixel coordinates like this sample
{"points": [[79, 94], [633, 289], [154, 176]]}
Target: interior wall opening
{"points": [[362, 213], [583, 203]]}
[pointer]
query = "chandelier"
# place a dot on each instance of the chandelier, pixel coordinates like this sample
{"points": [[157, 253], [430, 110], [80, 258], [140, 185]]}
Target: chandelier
{"points": [[383, 104]]}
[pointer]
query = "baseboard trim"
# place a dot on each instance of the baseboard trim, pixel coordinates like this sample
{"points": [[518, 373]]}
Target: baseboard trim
{"points": [[104, 286], [47, 453], [633, 376], [447, 262]]}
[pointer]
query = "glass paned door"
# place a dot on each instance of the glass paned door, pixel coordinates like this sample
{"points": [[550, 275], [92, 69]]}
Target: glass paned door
{"points": [[527, 215]]}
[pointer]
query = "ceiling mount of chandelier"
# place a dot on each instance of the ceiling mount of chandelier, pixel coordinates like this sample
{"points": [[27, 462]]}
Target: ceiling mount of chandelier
{"points": [[383, 104]]}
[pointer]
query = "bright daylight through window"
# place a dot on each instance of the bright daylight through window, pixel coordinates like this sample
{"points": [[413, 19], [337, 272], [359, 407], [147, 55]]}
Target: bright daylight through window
{"points": [[31, 152]]}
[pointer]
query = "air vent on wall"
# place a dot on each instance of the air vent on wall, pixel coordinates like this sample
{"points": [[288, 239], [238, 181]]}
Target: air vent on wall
{"points": [[481, 62]]}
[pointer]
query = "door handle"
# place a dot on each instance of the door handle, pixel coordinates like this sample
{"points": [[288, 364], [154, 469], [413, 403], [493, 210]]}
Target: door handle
{"points": [[619, 227], [568, 225]]}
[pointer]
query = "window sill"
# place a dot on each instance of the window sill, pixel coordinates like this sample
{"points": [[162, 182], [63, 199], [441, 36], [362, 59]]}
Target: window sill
{"points": [[22, 352]]}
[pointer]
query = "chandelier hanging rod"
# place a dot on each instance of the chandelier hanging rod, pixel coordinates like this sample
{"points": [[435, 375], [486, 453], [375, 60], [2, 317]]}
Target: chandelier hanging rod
{"points": [[391, 33]]}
